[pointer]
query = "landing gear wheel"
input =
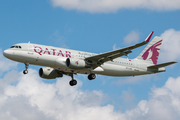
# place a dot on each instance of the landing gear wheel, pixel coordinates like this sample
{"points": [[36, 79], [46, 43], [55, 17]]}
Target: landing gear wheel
{"points": [[72, 82], [91, 76], [25, 72]]}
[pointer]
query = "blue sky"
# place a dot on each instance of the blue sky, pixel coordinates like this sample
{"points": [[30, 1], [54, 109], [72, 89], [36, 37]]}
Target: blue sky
{"points": [[92, 26]]}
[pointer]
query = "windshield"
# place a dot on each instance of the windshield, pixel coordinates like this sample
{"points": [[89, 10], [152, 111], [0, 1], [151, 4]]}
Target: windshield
{"points": [[15, 46]]}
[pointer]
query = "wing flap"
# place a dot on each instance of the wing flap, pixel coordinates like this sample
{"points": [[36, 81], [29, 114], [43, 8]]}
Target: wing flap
{"points": [[113, 56]]}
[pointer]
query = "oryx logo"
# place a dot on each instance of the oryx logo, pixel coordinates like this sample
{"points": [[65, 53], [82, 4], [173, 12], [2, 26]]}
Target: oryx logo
{"points": [[77, 63], [154, 52]]}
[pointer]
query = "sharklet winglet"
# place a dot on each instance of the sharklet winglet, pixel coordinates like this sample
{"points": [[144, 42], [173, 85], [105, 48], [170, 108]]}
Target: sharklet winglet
{"points": [[149, 37]]}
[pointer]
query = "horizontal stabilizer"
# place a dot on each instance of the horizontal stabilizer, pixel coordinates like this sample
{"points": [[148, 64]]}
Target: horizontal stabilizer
{"points": [[161, 65]]}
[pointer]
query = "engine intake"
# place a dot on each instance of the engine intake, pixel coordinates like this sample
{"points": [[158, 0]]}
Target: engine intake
{"points": [[76, 63], [49, 73]]}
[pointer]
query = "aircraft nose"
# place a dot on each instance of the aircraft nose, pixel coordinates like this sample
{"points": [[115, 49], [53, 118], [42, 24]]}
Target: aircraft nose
{"points": [[6, 53]]}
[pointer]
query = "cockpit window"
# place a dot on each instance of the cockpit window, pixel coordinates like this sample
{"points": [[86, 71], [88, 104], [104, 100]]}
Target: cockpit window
{"points": [[14, 46]]}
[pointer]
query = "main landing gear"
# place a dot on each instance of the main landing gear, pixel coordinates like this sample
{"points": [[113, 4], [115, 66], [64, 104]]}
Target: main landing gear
{"points": [[91, 76], [73, 81], [26, 71]]}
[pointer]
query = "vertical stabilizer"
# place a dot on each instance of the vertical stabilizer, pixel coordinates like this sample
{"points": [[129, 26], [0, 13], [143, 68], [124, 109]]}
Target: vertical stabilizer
{"points": [[151, 52]]}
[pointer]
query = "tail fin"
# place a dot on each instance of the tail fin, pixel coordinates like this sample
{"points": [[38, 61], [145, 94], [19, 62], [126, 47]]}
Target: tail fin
{"points": [[151, 53]]}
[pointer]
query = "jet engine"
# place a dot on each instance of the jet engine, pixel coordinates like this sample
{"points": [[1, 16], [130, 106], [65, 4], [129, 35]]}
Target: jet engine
{"points": [[49, 73], [60, 62], [75, 63]]}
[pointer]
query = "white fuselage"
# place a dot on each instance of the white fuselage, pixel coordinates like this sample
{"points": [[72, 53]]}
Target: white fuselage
{"points": [[55, 57]]}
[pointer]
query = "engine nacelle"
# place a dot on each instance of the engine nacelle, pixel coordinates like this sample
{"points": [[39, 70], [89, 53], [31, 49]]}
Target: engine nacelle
{"points": [[49, 73], [75, 63], [60, 62]]}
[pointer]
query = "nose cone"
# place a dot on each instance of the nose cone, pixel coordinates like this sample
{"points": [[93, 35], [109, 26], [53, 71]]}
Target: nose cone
{"points": [[7, 53]]}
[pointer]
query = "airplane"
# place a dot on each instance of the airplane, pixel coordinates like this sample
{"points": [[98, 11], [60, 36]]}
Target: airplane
{"points": [[61, 61]]}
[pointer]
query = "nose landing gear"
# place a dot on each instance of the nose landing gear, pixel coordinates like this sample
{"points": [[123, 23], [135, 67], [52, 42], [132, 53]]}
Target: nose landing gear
{"points": [[26, 70], [72, 82]]}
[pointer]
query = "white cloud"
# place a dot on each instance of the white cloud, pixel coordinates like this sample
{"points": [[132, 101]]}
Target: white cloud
{"points": [[132, 37], [170, 49], [115, 47], [28, 97], [105, 6], [59, 101], [164, 103], [127, 99]]}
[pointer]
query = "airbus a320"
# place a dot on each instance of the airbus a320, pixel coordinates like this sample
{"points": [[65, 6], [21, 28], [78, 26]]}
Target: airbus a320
{"points": [[60, 61]]}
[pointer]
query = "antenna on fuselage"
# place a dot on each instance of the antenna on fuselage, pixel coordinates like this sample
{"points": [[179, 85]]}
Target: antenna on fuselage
{"points": [[29, 42]]}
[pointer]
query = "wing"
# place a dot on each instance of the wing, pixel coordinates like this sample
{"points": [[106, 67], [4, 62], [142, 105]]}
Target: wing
{"points": [[109, 56]]}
